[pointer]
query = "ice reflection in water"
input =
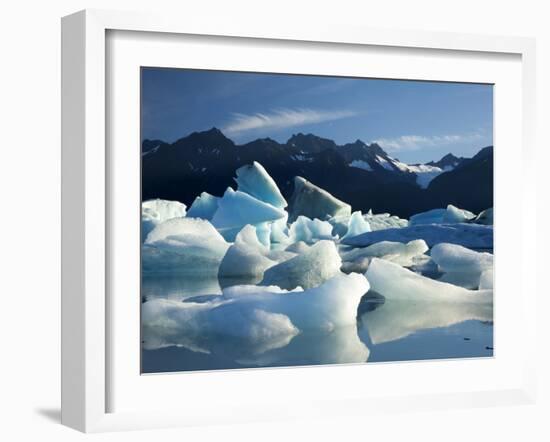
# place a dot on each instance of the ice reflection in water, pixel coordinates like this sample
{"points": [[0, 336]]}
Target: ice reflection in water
{"points": [[389, 331]]}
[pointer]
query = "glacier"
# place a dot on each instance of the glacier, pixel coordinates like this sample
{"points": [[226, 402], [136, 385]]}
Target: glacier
{"points": [[313, 202]]}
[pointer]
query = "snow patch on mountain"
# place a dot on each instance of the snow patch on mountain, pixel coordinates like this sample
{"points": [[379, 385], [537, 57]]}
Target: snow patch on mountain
{"points": [[360, 164]]}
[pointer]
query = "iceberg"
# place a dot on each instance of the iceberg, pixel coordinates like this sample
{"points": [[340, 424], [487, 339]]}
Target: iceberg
{"points": [[434, 216], [185, 245], [310, 230], [246, 257], [313, 202], [204, 206], [455, 258], [461, 266], [449, 215], [399, 253], [397, 283], [298, 247], [279, 231], [455, 215], [378, 221], [486, 280], [485, 217], [258, 318], [357, 225], [313, 267], [254, 180], [154, 212], [468, 235], [383, 221], [198, 326], [236, 209]]}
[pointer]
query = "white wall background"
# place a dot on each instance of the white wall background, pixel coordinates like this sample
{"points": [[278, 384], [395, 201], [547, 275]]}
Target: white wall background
{"points": [[30, 220]]}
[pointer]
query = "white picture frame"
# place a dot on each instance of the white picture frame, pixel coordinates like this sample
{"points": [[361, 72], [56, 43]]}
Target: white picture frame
{"points": [[86, 214]]}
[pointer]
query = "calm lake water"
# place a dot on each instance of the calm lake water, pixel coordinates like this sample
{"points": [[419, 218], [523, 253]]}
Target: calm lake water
{"points": [[385, 331]]}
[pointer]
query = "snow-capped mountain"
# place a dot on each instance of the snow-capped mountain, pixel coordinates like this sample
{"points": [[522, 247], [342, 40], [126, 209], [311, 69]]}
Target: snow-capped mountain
{"points": [[363, 174]]}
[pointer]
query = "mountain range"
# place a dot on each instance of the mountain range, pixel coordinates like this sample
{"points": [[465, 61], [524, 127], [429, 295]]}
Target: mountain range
{"points": [[361, 174]]}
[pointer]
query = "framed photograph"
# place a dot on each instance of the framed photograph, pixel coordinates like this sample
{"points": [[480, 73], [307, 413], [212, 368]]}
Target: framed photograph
{"points": [[268, 222]]}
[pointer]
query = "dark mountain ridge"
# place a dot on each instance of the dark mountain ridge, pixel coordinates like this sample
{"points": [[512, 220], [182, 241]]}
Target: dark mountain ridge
{"points": [[363, 175]]}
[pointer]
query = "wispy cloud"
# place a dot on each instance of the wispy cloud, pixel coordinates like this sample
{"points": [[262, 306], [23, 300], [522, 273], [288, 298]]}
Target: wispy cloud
{"points": [[282, 118], [416, 142]]}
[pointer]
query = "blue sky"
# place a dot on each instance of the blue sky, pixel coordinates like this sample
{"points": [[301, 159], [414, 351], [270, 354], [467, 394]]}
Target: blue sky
{"points": [[412, 120]]}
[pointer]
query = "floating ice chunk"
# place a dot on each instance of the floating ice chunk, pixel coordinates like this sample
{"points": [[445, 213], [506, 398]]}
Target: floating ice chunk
{"points": [[254, 180], [279, 231], [246, 257], [187, 245], [298, 247], [455, 215], [280, 255], [204, 206], [486, 280], [339, 225], [434, 216], [461, 279], [198, 326], [237, 209], [467, 235], [332, 304], [455, 258], [357, 225], [260, 318], [385, 221], [310, 269], [154, 212], [310, 230], [379, 221], [485, 217], [399, 253], [449, 215], [313, 202], [164, 209], [360, 265], [396, 319], [395, 282]]}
